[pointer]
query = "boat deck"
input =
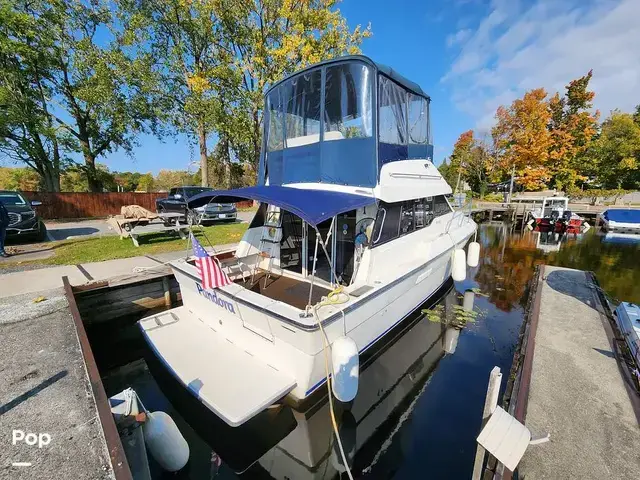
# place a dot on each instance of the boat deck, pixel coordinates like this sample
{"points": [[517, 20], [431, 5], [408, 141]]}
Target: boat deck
{"points": [[285, 289]]}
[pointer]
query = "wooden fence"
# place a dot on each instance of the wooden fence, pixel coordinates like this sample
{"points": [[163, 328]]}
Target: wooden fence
{"points": [[90, 205]]}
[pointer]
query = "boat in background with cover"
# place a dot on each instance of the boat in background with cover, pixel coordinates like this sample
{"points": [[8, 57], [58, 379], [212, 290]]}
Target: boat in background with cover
{"points": [[621, 220]]}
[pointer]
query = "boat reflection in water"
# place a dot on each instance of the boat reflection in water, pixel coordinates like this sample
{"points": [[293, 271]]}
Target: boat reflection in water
{"points": [[389, 384], [284, 443]]}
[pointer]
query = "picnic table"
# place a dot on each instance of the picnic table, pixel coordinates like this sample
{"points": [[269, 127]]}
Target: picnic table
{"points": [[160, 222]]}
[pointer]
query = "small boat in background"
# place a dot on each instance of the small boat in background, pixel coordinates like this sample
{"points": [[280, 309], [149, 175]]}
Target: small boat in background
{"points": [[628, 318], [621, 220], [554, 215]]}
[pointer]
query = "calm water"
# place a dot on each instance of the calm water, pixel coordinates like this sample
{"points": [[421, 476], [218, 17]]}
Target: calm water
{"points": [[419, 403]]}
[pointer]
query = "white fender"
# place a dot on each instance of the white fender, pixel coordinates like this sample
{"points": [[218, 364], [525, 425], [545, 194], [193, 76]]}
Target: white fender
{"points": [[473, 254], [458, 265], [346, 368], [165, 442], [468, 300], [451, 336]]}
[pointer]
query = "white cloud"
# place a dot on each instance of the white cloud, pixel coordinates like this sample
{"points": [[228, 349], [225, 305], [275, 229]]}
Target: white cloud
{"points": [[547, 44], [459, 37]]}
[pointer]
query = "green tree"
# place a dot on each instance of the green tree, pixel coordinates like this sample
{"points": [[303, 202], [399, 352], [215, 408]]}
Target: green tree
{"points": [[24, 179], [218, 57], [617, 151], [146, 183], [28, 132], [184, 36], [166, 179], [447, 172], [127, 181], [573, 128], [98, 89], [269, 39], [460, 157]]}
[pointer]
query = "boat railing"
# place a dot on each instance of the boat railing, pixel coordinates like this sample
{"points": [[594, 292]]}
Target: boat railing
{"points": [[461, 214]]}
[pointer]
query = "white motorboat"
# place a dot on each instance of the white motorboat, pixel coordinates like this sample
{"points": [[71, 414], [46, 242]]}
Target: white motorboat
{"points": [[353, 232], [628, 318], [554, 215]]}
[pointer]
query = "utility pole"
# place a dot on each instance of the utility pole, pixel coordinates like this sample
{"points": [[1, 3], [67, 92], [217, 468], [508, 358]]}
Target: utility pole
{"points": [[513, 173]]}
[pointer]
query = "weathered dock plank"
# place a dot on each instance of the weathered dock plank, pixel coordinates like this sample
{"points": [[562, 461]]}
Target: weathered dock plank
{"points": [[577, 392]]}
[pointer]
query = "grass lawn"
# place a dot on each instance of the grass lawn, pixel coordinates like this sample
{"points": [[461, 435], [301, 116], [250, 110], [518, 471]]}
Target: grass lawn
{"points": [[73, 252]]}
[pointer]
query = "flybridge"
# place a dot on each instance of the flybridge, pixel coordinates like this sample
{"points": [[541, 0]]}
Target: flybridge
{"points": [[340, 121]]}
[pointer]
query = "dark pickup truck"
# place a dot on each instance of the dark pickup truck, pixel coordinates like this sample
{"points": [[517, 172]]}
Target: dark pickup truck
{"points": [[177, 200]]}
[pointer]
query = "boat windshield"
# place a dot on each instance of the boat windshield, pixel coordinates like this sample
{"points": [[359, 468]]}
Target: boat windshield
{"points": [[317, 119]]}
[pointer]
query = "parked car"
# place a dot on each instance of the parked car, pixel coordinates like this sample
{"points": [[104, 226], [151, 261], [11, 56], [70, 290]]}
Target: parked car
{"points": [[177, 200], [23, 219]]}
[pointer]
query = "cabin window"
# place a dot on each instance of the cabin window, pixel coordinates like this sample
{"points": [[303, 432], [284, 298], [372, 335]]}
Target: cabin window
{"points": [[440, 206], [302, 109], [275, 132], [347, 107], [401, 218], [418, 120], [392, 112], [387, 223]]}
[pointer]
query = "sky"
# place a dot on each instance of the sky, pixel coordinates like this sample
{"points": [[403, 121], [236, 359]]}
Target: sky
{"points": [[472, 56]]}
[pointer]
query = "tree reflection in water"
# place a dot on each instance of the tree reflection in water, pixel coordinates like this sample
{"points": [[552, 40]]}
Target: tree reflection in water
{"points": [[508, 261]]}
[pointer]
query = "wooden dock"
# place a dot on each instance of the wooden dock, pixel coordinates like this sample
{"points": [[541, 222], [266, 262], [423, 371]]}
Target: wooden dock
{"points": [[570, 379], [518, 212]]}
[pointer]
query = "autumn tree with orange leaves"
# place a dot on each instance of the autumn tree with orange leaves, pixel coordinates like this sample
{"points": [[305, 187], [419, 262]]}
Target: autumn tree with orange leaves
{"points": [[573, 128], [522, 139], [545, 140]]}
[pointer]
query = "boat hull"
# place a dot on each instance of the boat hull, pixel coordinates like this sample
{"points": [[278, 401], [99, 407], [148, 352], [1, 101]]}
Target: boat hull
{"points": [[266, 351]]}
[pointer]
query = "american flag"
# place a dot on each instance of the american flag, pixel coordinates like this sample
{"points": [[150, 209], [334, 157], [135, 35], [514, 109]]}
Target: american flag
{"points": [[210, 272]]}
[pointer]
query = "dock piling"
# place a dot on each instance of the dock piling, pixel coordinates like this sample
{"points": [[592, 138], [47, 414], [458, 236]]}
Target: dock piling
{"points": [[490, 404]]}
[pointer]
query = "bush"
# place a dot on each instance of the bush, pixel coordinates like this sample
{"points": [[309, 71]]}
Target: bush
{"points": [[493, 197]]}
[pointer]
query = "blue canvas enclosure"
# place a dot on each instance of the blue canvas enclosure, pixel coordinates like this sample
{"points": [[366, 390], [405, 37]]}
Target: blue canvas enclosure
{"points": [[340, 121], [313, 206], [622, 215]]}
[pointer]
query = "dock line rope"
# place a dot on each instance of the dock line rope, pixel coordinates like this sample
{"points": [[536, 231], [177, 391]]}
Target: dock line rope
{"points": [[333, 298]]}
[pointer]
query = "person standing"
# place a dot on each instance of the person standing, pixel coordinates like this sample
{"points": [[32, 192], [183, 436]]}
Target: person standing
{"points": [[4, 223]]}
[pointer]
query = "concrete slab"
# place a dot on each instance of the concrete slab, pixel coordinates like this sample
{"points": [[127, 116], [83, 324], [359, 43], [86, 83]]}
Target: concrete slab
{"points": [[80, 228], [577, 393], [44, 390], [18, 283], [113, 268], [26, 253]]}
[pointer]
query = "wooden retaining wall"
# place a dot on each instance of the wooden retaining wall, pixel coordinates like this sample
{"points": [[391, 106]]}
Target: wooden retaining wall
{"points": [[110, 311], [91, 205]]}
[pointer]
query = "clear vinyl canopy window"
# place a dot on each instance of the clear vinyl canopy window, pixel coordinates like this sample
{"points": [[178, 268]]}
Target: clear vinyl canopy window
{"points": [[348, 103], [295, 107]]}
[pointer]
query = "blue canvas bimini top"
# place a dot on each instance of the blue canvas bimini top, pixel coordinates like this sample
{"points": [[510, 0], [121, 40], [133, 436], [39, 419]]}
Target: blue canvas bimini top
{"points": [[313, 206]]}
